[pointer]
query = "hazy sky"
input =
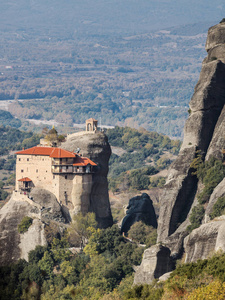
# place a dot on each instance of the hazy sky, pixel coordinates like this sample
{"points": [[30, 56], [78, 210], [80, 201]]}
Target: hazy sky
{"points": [[108, 16]]}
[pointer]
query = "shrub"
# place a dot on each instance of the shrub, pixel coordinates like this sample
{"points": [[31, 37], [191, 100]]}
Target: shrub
{"points": [[143, 234], [222, 21], [218, 208], [196, 217], [25, 224], [210, 172]]}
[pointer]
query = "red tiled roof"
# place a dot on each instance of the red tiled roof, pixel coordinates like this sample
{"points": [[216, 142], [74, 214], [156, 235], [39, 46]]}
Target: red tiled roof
{"points": [[25, 179], [83, 161], [53, 152]]}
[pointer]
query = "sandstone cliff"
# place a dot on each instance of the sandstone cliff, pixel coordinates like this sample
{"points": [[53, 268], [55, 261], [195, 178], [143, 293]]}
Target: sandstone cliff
{"points": [[96, 147]]}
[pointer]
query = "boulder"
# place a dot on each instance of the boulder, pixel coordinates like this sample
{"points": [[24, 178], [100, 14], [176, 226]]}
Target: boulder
{"points": [[156, 262], [140, 208], [96, 147]]}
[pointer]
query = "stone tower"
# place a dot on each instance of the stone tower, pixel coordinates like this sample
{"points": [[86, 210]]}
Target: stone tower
{"points": [[91, 124]]}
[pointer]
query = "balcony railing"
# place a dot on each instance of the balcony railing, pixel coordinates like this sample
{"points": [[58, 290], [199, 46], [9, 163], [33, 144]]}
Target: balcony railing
{"points": [[68, 169]]}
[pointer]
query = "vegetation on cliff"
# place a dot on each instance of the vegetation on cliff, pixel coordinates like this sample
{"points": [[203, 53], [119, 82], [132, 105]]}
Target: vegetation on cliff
{"points": [[105, 264], [210, 173], [144, 154]]}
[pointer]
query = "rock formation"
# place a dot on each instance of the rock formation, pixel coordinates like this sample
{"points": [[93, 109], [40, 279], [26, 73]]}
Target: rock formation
{"points": [[156, 262], [204, 131], [42, 209], [140, 208], [95, 146], [206, 240]]}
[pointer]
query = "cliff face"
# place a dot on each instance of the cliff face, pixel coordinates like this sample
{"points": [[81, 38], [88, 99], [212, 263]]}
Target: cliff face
{"points": [[96, 147], [204, 130], [14, 245]]}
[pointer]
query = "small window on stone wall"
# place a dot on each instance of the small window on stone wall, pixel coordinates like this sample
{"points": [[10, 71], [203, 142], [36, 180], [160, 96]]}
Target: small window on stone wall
{"points": [[65, 176], [27, 159], [19, 159], [36, 170], [21, 171]]}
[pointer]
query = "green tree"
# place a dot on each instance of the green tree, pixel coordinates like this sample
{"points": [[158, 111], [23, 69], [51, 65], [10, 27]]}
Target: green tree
{"points": [[143, 234], [79, 230]]}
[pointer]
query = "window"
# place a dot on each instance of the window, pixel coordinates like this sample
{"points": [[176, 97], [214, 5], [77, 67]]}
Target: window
{"points": [[21, 171], [27, 159], [65, 176], [53, 176], [36, 170], [19, 159]]}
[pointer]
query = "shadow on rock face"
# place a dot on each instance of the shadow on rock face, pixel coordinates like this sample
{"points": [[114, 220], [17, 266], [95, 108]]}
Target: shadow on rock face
{"points": [[140, 208]]}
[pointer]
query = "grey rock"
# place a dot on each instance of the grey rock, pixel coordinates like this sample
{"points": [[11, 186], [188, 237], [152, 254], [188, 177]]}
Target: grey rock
{"points": [[156, 262], [11, 215], [218, 192], [215, 36], [51, 209], [13, 245], [165, 276], [96, 147], [218, 140], [140, 208], [205, 241], [203, 131]]}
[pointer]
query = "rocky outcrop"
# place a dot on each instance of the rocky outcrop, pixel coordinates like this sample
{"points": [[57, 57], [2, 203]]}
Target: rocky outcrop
{"points": [[215, 36], [205, 241], [156, 262], [13, 245], [50, 208], [140, 208], [96, 147], [203, 131]]}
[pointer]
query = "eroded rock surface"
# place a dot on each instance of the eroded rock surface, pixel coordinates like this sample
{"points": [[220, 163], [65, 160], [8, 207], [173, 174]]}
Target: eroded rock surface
{"points": [[14, 245], [156, 262], [96, 147], [203, 131], [140, 208], [205, 241]]}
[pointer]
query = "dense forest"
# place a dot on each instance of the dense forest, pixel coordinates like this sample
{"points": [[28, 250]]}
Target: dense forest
{"points": [[103, 269]]}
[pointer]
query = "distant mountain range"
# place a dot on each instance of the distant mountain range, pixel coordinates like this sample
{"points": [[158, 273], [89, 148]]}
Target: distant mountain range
{"points": [[113, 16]]}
